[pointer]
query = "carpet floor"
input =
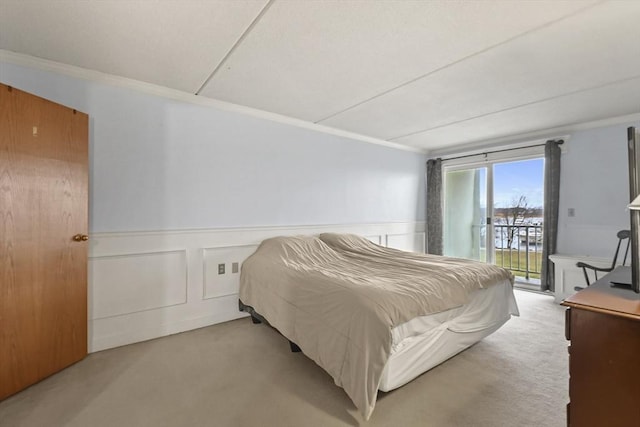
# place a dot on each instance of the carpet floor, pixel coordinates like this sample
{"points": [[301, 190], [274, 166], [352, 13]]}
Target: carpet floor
{"points": [[240, 374]]}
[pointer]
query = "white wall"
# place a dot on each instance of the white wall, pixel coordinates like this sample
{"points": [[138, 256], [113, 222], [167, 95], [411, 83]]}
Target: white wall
{"points": [[159, 164], [594, 181], [177, 189]]}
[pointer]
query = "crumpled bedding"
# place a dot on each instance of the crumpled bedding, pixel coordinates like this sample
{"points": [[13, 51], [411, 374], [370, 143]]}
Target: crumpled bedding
{"points": [[338, 297]]}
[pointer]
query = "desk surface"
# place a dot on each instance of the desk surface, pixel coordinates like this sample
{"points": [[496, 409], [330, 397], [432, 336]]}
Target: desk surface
{"points": [[604, 298]]}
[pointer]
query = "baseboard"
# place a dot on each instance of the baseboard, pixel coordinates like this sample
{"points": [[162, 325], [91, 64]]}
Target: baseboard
{"points": [[145, 285], [140, 334]]}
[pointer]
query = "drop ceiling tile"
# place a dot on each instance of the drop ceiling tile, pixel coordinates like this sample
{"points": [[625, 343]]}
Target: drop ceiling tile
{"points": [[312, 59], [610, 101], [587, 50], [169, 43]]}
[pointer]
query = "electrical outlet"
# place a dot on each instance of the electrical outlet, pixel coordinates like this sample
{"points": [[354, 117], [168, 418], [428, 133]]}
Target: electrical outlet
{"points": [[234, 267], [221, 268], [572, 212]]}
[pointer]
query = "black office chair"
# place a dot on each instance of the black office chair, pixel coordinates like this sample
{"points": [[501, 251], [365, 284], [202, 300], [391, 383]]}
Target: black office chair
{"points": [[622, 235]]}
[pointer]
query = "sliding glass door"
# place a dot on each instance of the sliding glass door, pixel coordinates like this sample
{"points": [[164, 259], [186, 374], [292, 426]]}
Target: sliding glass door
{"points": [[493, 212], [465, 213]]}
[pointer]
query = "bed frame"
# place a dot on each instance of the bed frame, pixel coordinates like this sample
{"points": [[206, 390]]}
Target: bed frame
{"points": [[256, 318]]}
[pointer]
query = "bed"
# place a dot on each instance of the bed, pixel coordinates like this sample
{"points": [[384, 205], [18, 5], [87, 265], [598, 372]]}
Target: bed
{"points": [[373, 317]]}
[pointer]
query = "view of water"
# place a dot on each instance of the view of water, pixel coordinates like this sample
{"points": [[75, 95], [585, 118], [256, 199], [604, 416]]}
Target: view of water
{"points": [[519, 242]]}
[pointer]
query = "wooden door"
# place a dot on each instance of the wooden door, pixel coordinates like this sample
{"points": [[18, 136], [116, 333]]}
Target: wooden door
{"points": [[43, 270]]}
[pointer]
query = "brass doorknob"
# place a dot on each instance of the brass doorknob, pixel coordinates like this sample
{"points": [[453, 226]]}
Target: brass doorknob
{"points": [[80, 238]]}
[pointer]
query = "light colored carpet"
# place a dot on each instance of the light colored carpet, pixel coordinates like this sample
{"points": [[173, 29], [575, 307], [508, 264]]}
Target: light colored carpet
{"points": [[240, 374]]}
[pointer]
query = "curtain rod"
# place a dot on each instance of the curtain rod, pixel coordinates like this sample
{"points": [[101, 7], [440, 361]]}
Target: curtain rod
{"points": [[560, 142]]}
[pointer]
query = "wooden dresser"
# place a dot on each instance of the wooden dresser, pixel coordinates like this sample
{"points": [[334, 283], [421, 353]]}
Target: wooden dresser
{"points": [[603, 325]]}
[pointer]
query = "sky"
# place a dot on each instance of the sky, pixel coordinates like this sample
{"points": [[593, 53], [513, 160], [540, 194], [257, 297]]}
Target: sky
{"points": [[512, 179]]}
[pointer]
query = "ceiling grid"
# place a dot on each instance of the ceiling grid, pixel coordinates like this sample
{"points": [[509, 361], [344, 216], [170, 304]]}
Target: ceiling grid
{"points": [[431, 75]]}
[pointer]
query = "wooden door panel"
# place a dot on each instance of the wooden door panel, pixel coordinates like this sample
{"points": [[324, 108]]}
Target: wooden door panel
{"points": [[43, 203]]}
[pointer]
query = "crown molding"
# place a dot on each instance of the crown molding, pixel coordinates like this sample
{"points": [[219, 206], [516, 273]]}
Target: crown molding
{"points": [[177, 95]]}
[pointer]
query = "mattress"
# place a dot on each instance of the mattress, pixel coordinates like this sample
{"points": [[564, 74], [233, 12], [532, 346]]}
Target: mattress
{"points": [[426, 341]]}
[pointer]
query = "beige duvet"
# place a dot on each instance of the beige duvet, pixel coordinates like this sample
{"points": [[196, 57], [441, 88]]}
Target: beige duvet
{"points": [[339, 296]]}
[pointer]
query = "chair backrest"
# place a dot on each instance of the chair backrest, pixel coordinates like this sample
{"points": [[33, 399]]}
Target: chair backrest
{"points": [[622, 235]]}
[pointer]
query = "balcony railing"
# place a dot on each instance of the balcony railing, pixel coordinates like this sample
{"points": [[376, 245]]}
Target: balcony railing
{"points": [[519, 249]]}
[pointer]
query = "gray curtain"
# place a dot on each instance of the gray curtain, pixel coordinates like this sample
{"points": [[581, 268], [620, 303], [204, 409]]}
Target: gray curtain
{"points": [[551, 202], [434, 206]]}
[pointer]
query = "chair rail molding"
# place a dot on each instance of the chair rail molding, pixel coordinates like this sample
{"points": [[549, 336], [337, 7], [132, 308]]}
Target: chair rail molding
{"points": [[145, 285]]}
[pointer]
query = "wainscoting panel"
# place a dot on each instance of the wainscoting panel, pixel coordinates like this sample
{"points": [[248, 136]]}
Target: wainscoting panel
{"points": [[219, 285], [413, 242], [145, 285], [568, 276], [126, 284]]}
